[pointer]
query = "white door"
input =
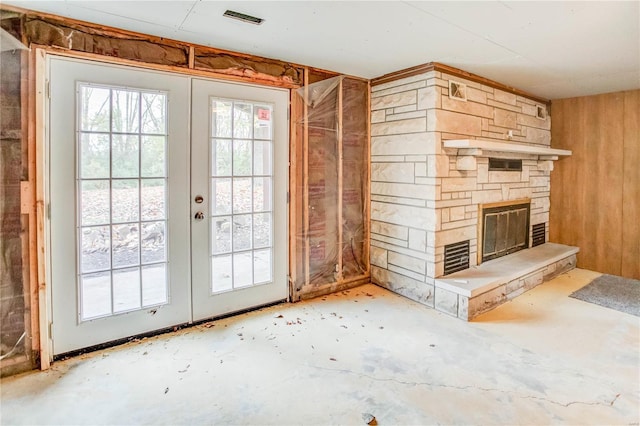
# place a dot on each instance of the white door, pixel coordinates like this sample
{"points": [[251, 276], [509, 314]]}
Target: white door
{"points": [[239, 181], [141, 237], [119, 178]]}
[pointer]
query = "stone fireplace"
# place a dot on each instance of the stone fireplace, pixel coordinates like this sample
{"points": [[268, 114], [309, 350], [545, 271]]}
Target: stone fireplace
{"points": [[448, 155]]}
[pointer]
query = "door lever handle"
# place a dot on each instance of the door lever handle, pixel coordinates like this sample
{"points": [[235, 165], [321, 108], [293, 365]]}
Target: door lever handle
{"points": [[199, 216]]}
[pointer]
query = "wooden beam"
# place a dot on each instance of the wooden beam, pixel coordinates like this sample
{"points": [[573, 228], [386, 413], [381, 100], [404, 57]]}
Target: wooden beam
{"points": [[305, 181], [339, 131], [192, 57], [37, 162], [367, 198]]}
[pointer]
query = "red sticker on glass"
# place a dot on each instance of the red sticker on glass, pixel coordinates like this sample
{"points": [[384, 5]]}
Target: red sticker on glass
{"points": [[264, 114]]}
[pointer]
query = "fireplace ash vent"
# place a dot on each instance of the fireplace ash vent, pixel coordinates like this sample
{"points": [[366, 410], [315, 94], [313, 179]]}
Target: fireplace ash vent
{"points": [[456, 257], [538, 234]]}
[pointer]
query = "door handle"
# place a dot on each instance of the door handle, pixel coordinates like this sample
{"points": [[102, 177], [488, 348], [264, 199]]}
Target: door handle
{"points": [[199, 216]]}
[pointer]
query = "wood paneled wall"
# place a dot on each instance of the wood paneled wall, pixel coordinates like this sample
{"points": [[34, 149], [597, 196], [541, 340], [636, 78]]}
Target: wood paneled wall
{"points": [[595, 193]]}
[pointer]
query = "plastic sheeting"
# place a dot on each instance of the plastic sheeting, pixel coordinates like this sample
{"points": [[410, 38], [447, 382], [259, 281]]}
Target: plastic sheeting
{"points": [[332, 236], [14, 324]]}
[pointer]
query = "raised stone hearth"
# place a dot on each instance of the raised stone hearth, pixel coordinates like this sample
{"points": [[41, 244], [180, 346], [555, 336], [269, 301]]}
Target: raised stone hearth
{"points": [[467, 294]]}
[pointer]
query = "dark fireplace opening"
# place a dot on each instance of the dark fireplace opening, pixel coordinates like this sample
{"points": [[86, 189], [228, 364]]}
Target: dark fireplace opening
{"points": [[505, 230]]}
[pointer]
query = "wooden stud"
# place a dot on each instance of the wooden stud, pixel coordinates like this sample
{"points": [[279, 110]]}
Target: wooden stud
{"points": [[27, 212], [305, 181], [192, 57], [339, 131], [367, 189], [38, 144], [336, 286]]}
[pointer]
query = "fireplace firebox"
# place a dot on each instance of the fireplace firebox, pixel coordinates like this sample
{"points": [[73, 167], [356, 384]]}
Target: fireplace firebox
{"points": [[505, 228]]}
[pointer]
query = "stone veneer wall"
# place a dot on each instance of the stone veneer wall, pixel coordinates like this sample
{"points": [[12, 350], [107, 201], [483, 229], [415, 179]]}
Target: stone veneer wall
{"points": [[421, 199]]}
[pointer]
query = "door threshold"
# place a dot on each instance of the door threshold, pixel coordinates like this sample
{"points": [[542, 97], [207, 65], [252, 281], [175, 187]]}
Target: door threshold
{"points": [[166, 330]]}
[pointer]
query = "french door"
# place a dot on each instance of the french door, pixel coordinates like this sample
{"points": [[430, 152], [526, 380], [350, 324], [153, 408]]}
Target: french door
{"points": [[239, 189], [154, 222]]}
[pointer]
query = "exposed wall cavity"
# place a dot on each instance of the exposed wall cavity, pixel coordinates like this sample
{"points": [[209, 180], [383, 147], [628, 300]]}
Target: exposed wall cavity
{"points": [[331, 232], [15, 336]]}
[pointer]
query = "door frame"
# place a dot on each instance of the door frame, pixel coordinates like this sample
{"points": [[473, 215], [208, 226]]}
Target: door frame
{"points": [[39, 159]]}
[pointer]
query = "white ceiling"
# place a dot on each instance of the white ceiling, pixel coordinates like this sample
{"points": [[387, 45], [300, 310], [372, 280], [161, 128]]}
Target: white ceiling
{"points": [[555, 49]]}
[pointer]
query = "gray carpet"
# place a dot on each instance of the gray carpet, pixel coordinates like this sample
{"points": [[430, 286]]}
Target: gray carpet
{"points": [[610, 291]]}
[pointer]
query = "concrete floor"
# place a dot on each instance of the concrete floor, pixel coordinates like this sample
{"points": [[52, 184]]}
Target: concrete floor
{"points": [[542, 358]]}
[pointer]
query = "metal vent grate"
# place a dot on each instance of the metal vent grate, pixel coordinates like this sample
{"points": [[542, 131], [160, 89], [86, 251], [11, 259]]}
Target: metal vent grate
{"points": [[539, 234], [457, 90], [243, 17], [502, 164], [456, 257]]}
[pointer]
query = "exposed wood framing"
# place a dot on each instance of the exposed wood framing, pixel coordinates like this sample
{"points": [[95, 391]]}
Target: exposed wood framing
{"points": [[436, 66], [192, 57], [51, 34], [28, 213], [339, 130], [305, 180], [367, 199], [337, 286], [37, 161]]}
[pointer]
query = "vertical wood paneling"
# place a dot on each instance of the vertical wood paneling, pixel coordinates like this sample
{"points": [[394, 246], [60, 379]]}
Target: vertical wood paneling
{"points": [[631, 186], [595, 200]]}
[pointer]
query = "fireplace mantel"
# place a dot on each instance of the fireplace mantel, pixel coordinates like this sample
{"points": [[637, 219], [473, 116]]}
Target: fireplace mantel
{"points": [[475, 147]]}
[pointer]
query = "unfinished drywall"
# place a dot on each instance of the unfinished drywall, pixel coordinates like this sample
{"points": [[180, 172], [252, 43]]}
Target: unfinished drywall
{"points": [[595, 193], [330, 240]]}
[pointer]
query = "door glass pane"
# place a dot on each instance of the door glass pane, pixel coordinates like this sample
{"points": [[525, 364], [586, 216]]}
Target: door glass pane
{"points": [[242, 195], [221, 270], [221, 124], [242, 158], [153, 157], [221, 196], [241, 189], [126, 245], [152, 199], [125, 200], [126, 289], [126, 108], [153, 242], [221, 235], [95, 291], [122, 187], [221, 160], [242, 120], [95, 108], [154, 287], [262, 158], [95, 202], [154, 114], [94, 155], [124, 156]]}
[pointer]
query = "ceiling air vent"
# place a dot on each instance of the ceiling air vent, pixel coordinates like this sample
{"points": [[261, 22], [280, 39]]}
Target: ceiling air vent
{"points": [[457, 90], [243, 17]]}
